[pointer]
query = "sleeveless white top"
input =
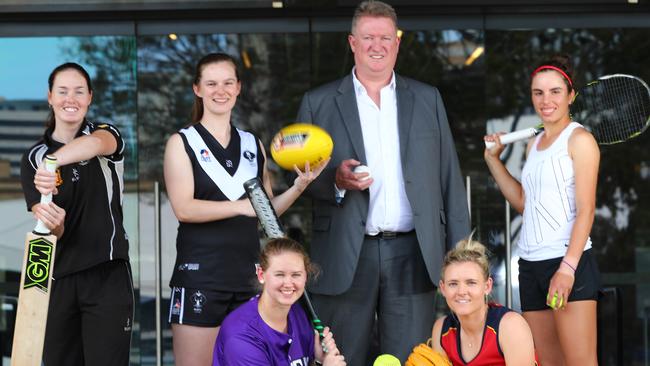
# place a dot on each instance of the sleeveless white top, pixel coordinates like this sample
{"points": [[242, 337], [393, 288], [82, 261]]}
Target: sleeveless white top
{"points": [[548, 181]]}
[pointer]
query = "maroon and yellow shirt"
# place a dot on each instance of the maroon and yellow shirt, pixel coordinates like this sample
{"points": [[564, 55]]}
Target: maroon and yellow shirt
{"points": [[490, 353]]}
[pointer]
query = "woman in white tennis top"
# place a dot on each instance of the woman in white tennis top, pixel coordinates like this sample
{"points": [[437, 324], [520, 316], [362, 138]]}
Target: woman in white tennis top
{"points": [[559, 280]]}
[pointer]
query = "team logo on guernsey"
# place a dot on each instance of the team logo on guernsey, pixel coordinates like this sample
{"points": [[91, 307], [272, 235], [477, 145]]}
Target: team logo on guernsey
{"points": [[105, 126], [197, 302], [205, 155], [248, 155], [75, 175], [59, 180], [188, 267], [301, 362]]}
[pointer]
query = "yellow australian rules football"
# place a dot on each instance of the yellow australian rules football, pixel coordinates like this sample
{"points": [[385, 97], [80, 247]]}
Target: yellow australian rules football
{"points": [[298, 143]]}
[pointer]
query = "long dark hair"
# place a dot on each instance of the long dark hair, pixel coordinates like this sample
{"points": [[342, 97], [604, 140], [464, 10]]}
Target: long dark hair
{"points": [[212, 58], [50, 122]]}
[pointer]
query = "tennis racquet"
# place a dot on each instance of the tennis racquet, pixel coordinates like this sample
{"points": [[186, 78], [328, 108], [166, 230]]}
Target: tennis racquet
{"points": [[273, 229], [614, 108]]}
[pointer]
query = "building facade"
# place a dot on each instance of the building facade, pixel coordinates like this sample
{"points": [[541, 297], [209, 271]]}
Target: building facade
{"points": [[479, 53]]}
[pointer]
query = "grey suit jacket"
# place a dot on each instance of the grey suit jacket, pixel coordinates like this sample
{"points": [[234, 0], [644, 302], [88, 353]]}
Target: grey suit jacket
{"points": [[432, 178]]}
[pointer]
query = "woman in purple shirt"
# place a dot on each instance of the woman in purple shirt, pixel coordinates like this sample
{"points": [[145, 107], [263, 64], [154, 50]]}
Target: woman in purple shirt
{"points": [[272, 329]]}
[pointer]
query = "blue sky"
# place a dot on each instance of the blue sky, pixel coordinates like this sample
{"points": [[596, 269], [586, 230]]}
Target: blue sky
{"points": [[25, 64]]}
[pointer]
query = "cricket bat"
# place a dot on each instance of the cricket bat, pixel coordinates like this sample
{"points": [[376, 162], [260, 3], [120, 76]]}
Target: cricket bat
{"points": [[35, 287], [273, 229]]}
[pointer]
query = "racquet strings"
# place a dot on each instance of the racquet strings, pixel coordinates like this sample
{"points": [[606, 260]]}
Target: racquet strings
{"points": [[614, 109]]}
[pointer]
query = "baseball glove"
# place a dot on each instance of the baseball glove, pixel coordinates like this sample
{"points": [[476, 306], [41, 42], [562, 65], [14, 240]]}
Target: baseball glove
{"points": [[423, 355]]}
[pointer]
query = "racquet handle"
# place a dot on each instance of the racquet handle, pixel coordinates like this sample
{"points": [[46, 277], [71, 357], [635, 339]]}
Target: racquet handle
{"points": [[50, 166], [511, 137]]}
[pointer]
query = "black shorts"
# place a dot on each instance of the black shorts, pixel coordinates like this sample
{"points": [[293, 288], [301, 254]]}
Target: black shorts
{"points": [[203, 308], [535, 277]]}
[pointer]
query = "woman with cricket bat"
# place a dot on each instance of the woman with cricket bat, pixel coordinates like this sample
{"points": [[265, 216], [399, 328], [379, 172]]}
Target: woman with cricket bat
{"points": [[91, 304]]}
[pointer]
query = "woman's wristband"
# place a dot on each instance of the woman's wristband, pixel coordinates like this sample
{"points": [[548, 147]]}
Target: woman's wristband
{"points": [[569, 265]]}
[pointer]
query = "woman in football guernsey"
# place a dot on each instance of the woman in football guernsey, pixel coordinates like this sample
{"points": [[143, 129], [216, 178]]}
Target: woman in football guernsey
{"points": [[217, 244], [272, 329], [478, 332], [559, 280], [91, 305]]}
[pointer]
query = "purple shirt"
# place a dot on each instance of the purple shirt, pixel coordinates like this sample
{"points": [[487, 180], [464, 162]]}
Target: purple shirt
{"points": [[246, 340]]}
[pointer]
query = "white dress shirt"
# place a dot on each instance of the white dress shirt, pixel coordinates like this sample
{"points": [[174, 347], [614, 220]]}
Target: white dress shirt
{"points": [[389, 208]]}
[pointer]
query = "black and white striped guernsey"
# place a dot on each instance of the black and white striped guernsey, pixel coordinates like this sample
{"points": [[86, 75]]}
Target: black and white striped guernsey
{"points": [[219, 255], [91, 193]]}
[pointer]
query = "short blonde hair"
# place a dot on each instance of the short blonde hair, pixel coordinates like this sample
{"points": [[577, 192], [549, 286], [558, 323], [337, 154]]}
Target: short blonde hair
{"points": [[372, 8], [468, 250]]}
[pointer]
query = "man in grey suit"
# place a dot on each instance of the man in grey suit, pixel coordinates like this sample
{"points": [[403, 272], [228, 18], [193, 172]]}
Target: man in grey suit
{"points": [[380, 237]]}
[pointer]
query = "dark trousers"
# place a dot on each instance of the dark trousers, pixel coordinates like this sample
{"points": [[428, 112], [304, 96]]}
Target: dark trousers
{"points": [[391, 287], [90, 317]]}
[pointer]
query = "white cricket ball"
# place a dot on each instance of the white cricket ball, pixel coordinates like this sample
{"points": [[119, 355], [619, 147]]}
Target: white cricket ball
{"points": [[362, 169]]}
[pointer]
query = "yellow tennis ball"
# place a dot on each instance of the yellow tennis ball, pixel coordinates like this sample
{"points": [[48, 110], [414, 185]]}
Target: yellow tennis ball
{"points": [[554, 302], [298, 143], [386, 360]]}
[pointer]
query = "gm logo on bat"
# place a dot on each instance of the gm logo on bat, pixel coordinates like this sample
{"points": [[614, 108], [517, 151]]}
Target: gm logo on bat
{"points": [[39, 261]]}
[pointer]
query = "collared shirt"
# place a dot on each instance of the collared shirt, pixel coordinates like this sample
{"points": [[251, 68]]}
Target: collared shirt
{"points": [[91, 193], [245, 339], [389, 208]]}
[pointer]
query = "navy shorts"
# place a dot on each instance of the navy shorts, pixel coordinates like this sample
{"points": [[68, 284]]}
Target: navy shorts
{"points": [[203, 308], [535, 277]]}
